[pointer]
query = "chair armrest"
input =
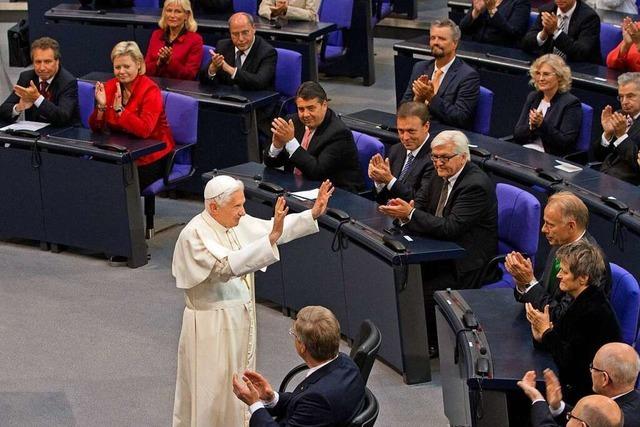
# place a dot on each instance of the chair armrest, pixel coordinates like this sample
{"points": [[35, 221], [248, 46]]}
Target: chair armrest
{"points": [[594, 165], [490, 266], [171, 162], [292, 373], [284, 101]]}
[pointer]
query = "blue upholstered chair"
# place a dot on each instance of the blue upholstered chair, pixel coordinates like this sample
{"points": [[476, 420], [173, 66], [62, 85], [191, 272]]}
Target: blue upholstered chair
{"points": [[86, 100], [182, 115], [532, 18], [610, 37], [146, 3], [367, 146], [248, 6], [206, 56], [518, 229], [288, 78], [625, 299], [581, 155], [338, 12], [482, 121]]}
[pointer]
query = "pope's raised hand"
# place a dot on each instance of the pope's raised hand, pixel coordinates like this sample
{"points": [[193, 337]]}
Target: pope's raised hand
{"points": [[279, 212]]}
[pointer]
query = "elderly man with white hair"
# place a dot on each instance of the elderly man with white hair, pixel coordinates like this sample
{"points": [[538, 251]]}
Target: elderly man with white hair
{"points": [[214, 260], [460, 206]]}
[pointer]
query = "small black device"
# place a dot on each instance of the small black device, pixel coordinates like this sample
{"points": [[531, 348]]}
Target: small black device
{"points": [[270, 187], [338, 214], [111, 147], [482, 366], [234, 98], [479, 152], [614, 203], [393, 244], [23, 132], [549, 176], [469, 320]]}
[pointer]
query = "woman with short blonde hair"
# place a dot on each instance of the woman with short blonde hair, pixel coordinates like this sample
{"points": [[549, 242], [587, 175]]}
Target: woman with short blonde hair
{"points": [[175, 49]]}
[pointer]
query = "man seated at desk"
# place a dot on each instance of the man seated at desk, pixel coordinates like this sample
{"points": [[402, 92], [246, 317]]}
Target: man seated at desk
{"points": [[617, 148], [462, 207], [565, 221], [568, 28], [48, 93], [501, 22], [315, 143], [245, 60], [296, 10], [408, 164], [448, 86]]}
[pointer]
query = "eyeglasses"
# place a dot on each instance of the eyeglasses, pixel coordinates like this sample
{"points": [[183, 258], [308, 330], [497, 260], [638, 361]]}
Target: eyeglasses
{"points": [[570, 415], [443, 159], [293, 334], [593, 368], [543, 74]]}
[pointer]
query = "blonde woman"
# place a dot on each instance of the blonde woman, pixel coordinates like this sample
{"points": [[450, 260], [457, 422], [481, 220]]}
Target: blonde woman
{"points": [[175, 49]]}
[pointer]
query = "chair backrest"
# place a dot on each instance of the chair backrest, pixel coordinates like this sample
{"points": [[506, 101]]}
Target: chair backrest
{"points": [[86, 100], [610, 37], [248, 6], [338, 12], [369, 412], [366, 347], [206, 56], [146, 3], [518, 220], [482, 122], [584, 138], [625, 299], [182, 115], [533, 16], [367, 146], [288, 71]]}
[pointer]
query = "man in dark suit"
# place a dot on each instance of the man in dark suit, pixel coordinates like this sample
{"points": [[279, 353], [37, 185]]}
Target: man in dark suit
{"points": [[402, 173], [48, 93], [448, 86], [569, 28], [618, 146], [593, 410], [245, 60], [315, 143], [565, 221], [460, 206], [614, 371], [331, 394], [497, 22]]}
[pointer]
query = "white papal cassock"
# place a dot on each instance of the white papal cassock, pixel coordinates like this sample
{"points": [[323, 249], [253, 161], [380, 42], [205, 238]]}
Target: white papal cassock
{"points": [[215, 265]]}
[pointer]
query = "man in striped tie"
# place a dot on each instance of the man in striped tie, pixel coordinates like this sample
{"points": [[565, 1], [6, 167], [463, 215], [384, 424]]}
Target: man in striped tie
{"points": [[569, 28], [315, 143], [408, 165], [48, 93]]}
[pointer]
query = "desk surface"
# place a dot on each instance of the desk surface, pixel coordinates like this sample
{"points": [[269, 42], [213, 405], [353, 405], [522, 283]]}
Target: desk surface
{"points": [[366, 225], [507, 330], [144, 16], [516, 59], [204, 93]]}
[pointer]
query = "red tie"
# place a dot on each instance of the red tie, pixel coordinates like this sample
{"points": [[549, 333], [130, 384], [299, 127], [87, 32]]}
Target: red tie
{"points": [[44, 90], [305, 144]]}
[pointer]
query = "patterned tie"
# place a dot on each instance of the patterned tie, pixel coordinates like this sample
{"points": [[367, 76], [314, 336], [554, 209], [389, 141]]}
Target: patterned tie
{"points": [[406, 167], [239, 59], [442, 201], [437, 79], [44, 90], [306, 139], [562, 23]]}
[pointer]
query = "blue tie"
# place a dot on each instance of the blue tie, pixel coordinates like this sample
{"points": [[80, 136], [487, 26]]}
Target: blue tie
{"points": [[407, 166]]}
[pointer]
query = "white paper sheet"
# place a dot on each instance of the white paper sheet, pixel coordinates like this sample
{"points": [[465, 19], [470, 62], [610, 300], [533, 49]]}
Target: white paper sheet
{"points": [[307, 195], [25, 125]]}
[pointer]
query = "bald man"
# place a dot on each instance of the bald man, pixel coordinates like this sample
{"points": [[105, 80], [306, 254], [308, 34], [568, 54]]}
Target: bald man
{"points": [[593, 411]]}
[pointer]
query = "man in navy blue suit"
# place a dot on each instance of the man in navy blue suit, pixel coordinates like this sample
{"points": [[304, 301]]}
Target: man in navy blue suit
{"points": [[448, 86], [331, 394]]}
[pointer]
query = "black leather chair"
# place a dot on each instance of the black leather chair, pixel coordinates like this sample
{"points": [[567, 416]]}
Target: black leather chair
{"points": [[369, 414]]}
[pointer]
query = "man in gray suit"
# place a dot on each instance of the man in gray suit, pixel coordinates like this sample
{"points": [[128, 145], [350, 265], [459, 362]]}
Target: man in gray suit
{"points": [[565, 221]]}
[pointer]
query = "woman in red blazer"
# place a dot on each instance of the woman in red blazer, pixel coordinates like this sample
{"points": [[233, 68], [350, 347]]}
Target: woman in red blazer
{"points": [[175, 50], [132, 103]]}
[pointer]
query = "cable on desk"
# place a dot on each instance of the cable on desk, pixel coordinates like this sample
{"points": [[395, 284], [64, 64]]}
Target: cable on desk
{"points": [[618, 235], [36, 159], [339, 241]]}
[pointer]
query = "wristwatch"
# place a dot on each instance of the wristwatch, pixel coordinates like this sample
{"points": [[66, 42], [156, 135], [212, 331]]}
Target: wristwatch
{"points": [[118, 110]]}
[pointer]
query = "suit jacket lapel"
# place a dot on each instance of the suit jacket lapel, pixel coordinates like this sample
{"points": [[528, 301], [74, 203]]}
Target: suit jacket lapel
{"points": [[451, 73]]}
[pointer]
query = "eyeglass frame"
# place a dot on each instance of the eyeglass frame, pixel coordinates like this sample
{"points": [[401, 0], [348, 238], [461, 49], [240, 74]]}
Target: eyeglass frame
{"points": [[570, 415], [443, 159], [293, 334]]}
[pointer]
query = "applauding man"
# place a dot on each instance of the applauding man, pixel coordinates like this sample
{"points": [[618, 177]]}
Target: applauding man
{"points": [[48, 93]]}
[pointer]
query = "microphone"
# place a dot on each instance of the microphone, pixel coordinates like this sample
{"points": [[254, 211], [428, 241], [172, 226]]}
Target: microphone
{"points": [[263, 185], [256, 177]]}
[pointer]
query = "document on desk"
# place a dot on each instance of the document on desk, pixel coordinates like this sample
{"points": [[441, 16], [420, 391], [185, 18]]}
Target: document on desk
{"points": [[306, 195], [25, 125], [567, 167]]}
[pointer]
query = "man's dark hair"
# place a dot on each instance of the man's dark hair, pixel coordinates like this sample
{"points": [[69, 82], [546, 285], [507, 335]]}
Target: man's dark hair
{"points": [[46, 43], [311, 90], [414, 109]]}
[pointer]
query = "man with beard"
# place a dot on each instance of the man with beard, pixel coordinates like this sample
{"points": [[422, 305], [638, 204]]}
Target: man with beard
{"points": [[448, 86]]}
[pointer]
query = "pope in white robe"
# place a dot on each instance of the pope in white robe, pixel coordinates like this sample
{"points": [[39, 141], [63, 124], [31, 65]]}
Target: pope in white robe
{"points": [[214, 260]]}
